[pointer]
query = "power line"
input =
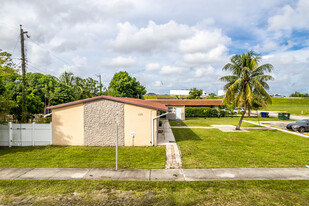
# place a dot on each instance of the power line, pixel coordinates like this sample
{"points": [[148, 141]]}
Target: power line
{"points": [[36, 68], [15, 45], [51, 52]]}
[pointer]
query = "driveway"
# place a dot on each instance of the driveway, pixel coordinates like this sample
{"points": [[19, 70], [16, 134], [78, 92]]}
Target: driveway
{"points": [[281, 124]]}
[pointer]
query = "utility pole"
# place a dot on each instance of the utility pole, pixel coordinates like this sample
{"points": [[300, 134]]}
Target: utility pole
{"points": [[23, 67], [100, 79]]}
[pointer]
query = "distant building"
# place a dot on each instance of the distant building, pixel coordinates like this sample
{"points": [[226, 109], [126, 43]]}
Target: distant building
{"points": [[176, 107], [277, 95], [221, 93], [184, 92]]}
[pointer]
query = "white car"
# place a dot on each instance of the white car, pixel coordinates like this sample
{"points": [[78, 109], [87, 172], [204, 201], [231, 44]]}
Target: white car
{"points": [[235, 111]]}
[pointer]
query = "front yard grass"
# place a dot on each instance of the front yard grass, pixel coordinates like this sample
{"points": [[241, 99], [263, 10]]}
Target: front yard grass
{"points": [[99, 192], [82, 157], [211, 148], [298, 106], [200, 121]]}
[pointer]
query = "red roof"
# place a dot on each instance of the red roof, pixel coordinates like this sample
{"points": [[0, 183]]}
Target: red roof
{"points": [[133, 101], [191, 102]]}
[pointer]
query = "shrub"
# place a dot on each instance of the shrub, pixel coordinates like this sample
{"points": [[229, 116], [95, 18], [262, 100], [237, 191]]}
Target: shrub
{"points": [[203, 112]]}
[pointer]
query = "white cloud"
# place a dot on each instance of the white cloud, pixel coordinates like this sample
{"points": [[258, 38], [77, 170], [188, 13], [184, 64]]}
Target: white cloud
{"points": [[152, 67], [217, 54], [179, 48], [290, 71], [157, 83], [204, 72], [123, 61], [291, 18], [155, 36], [270, 45], [78, 66], [172, 70], [204, 41]]}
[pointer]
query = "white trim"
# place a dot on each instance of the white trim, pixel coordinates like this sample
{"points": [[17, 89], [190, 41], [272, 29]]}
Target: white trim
{"points": [[152, 128]]}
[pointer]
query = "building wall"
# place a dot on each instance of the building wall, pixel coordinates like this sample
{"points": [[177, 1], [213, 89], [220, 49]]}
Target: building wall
{"points": [[172, 115], [138, 120], [68, 125], [100, 123]]}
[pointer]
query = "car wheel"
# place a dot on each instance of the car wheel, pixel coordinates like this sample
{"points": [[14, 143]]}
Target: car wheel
{"points": [[301, 129]]}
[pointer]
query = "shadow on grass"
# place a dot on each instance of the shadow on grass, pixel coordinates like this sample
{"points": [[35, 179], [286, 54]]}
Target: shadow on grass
{"points": [[185, 134], [17, 149]]}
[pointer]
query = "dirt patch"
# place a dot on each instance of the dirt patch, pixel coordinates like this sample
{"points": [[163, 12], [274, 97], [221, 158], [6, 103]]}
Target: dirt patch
{"points": [[96, 197]]}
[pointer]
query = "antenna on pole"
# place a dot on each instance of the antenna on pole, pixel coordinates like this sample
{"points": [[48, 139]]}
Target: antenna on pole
{"points": [[23, 67], [100, 80]]}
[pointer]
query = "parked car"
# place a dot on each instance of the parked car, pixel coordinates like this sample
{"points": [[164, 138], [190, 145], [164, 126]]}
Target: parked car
{"points": [[241, 110], [301, 126]]}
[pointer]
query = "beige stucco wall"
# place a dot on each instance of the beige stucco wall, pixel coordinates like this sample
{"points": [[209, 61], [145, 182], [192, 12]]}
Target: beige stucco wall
{"points": [[172, 115], [68, 125], [100, 123], [138, 119]]}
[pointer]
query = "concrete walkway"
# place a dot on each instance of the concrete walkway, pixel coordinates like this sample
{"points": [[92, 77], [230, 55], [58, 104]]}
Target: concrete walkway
{"points": [[173, 154], [157, 174], [224, 128], [167, 136]]}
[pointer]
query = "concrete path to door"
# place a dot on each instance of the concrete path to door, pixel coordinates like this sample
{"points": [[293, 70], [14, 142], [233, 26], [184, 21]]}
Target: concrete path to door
{"points": [[223, 128], [156, 174], [173, 154]]}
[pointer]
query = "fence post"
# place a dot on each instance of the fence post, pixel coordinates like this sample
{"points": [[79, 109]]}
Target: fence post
{"points": [[51, 133], [33, 136], [10, 134]]}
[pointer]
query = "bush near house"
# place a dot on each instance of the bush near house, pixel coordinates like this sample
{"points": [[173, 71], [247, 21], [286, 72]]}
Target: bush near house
{"points": [[203, 112]]}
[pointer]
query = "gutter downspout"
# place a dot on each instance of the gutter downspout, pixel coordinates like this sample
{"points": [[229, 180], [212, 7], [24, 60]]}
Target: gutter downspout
{"points": [[152, 127]]}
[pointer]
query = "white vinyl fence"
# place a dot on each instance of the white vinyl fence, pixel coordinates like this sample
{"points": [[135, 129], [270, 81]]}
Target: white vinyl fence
{"points": [[33, 134]]}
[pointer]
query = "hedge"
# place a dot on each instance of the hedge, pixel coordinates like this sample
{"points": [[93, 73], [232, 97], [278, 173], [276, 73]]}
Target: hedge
{"points": [[203, 112]]}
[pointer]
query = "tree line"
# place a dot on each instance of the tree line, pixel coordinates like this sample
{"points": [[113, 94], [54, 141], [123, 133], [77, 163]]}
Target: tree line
{"points": [[46, 90]]}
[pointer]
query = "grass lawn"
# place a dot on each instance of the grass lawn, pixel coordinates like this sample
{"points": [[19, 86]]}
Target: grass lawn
{"points": [[293, 106], [94, 192], [211, 148], [82, 157], [200, 121]]}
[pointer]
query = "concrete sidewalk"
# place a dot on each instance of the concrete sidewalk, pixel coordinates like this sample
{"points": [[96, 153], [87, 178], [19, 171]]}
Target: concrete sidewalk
{"points": [[157, 174]]}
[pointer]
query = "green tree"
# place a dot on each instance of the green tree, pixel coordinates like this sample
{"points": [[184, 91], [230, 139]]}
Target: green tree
{"points": [[123, 85], [298, 94], [248, 82], [67, 78], [195, 93], [212, 95], [8, 75], [49, 89]]}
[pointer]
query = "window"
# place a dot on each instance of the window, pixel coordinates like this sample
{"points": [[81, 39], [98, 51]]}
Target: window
{"points": [[170, 109]]}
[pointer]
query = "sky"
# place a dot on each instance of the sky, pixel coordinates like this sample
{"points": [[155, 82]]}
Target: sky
{"points": [[164, 44]]}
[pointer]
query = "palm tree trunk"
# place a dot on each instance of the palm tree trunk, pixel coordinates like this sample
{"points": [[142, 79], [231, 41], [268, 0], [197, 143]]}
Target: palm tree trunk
{"points": [[249, 112], [241, 118]]}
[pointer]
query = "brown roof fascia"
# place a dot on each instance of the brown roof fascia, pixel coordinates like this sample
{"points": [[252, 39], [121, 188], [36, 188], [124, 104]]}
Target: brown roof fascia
{"points": [[190, 102], [137, 102]]}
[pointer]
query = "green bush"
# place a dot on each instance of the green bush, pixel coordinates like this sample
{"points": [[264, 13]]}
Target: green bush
{"points": [[203, 112]]}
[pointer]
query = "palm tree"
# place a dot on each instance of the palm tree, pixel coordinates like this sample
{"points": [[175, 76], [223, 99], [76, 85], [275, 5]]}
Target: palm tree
{"points": [[67, 78], [247, 85]]}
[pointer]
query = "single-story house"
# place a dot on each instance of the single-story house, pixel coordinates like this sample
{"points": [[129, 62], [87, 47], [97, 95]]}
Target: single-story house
{"points": [[176, 107], [92, 122]]}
